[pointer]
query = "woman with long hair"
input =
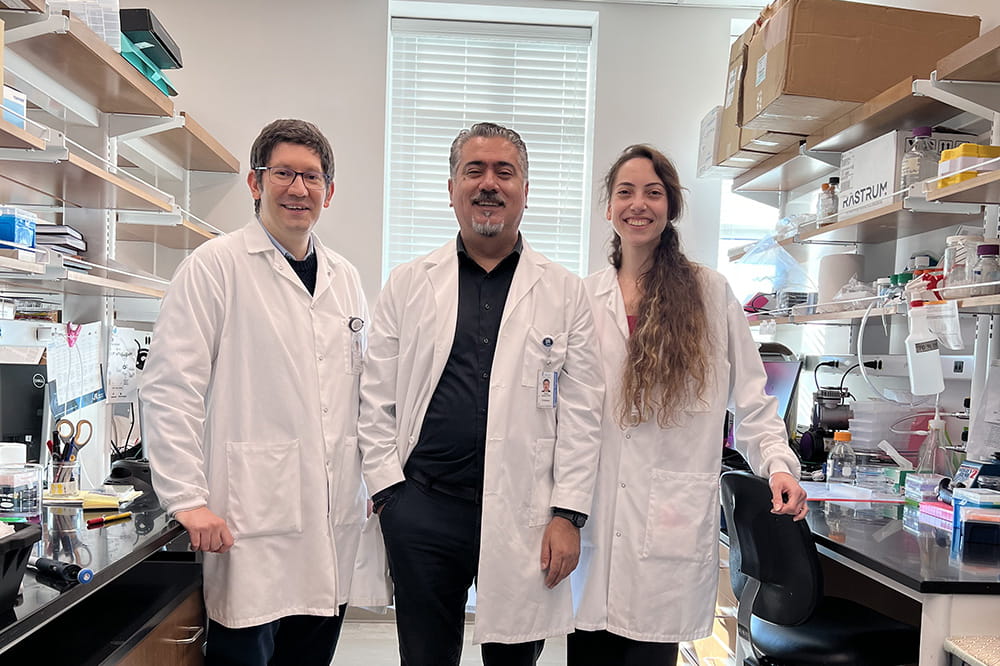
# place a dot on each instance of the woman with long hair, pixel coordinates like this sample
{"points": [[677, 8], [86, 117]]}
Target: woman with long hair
{"points": [[677, 353]]}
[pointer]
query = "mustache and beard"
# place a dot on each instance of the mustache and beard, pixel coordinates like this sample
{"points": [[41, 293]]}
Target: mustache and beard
{"points": [[486, 228]]}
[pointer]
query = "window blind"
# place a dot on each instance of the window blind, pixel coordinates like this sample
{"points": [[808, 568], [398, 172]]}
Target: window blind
{"points": [[447, 75]]}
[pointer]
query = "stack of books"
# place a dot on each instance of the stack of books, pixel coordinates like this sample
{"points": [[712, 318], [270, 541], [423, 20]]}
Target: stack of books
{"points": [[61, 238]]}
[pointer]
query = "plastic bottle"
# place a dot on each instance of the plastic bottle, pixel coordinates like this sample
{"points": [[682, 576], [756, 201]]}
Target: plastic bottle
{"points": [[920, 162], [933, 458], [959, 260], [826, 204], [923, 357], [987, 269], [841, 461]]}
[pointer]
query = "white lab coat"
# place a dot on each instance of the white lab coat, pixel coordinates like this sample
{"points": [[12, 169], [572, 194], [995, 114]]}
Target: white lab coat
{"points": [[250, 406], [649, 567], [536, 458]]}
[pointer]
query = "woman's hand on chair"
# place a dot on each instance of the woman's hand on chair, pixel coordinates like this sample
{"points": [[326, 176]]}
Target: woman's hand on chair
{"points": [[787, 496]]}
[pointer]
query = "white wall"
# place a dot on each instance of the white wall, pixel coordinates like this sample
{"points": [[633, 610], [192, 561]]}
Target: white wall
{"points": [[659, 70], [245, 65]]}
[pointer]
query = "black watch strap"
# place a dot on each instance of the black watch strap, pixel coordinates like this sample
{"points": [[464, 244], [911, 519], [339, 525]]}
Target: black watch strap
{"points": [[578, 519]]}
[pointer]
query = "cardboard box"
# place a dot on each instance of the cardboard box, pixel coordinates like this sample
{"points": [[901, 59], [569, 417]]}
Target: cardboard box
{"points": [[812, 61], [708, 147], [729, 140], [768, 141], [869, 174]]}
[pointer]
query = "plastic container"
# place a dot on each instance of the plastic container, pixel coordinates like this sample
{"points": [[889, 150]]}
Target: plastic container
{"points": [[959, 259], [826, 202], [923, 355], [841, 461], [64, 479], [987, 269], [920, 162], [14, 552]]}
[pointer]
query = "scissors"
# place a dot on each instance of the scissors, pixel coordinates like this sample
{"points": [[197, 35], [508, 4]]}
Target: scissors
{"points": [[73, 437]]}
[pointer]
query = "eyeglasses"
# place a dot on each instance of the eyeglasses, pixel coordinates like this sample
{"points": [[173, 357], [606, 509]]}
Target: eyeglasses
{"points": [[283, 176]]}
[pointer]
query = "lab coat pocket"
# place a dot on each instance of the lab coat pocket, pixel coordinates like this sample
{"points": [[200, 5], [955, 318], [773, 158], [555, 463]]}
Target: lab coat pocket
{"points": [[682, 521], [347, 497], [540, 503], [265, 488], [543, 350]]}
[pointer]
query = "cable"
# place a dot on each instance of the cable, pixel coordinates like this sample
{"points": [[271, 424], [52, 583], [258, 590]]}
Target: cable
{"points": [[843, 378], [829, 364]]}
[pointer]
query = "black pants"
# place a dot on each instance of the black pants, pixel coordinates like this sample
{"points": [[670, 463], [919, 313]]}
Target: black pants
{"points": [[602, 648], [294, 640], [432, 542]]}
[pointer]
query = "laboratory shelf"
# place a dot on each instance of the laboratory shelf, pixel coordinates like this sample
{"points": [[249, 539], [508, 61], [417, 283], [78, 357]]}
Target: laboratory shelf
{"points": [[893, 109], [878, 226], [185, 235], [79, 284], [983, 189], [886, 223], [979, 60], [12, 136], [9, 265], [786, 171], [85, 65], [24, 5], [76, 182], [193, 148], [842, 317]]}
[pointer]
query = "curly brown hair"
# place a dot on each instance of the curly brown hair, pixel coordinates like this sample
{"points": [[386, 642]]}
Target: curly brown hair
{"points": [[666, 366]]}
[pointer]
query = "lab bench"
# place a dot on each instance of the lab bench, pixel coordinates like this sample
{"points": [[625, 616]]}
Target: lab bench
{"points": [[144, 599]]}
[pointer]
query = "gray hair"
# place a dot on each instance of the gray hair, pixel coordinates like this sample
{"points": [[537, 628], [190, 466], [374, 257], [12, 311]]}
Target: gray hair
{"points": [[488, 131]]}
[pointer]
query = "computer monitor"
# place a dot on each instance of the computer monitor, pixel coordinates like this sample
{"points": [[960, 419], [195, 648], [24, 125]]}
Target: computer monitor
{"points": [[782, 383], [22, 405]]}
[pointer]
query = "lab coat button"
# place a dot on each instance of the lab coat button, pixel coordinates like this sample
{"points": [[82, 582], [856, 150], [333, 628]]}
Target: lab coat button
{"points": [[320, 357], [618, 534], [326, 409], [623, 485], [629, 436]]}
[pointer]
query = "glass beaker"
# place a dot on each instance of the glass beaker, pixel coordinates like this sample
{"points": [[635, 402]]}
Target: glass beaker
{"points": [[20, 490]]}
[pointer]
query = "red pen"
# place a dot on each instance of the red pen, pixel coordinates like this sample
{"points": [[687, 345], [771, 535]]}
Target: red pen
{"points": [[93, 522]]}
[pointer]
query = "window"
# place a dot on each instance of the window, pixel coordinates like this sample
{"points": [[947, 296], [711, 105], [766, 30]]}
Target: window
{"points": [[446, 75]]}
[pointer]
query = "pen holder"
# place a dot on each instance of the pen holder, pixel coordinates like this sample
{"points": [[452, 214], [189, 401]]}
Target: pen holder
{"points": [[64, 479], [20, 490]]}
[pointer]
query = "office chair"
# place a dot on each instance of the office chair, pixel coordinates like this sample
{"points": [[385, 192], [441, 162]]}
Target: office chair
{"points": [[782, 613]]}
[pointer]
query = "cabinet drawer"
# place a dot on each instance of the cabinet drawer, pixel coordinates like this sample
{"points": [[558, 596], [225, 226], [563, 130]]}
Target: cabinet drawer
{"points": [[177, 641]]}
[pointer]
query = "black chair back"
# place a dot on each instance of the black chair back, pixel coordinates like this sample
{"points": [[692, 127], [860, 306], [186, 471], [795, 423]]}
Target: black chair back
{"points": [[772, 549]]}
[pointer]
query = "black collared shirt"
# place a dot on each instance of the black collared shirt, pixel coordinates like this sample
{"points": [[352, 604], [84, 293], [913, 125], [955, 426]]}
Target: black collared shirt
{"points": [[452, 445]]}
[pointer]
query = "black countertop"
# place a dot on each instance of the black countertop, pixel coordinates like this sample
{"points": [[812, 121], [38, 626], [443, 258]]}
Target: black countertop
{"points": [[110, 551], [891, 539]]}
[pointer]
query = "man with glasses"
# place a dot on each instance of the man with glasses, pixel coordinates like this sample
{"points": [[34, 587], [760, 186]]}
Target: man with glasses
{"points": [[480, 423], [250, 396]]}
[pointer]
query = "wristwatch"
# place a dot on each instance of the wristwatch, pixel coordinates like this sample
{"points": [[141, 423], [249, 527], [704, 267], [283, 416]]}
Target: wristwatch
{"points": [[578, 519]]}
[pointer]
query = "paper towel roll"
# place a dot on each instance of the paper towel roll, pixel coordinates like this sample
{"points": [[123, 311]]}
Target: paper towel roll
{"points": [[834, 272], [13, 452]]}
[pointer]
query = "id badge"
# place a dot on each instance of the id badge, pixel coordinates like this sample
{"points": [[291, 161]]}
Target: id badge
{"points": [[547, 389], [357, 352]]}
